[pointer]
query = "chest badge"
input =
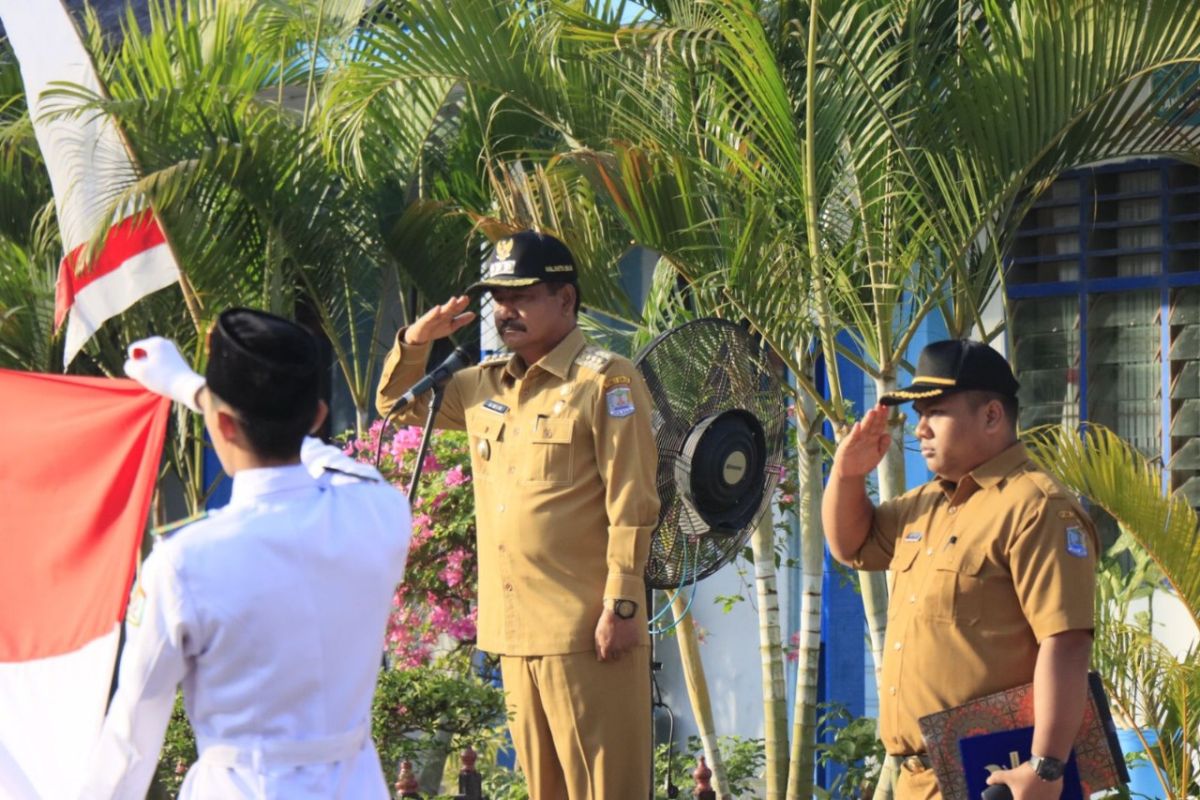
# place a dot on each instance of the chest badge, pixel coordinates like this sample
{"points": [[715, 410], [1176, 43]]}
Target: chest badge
{"points": [[484, 449], [1076, 543], [495, 405], [620, 401], [137, 605], [912, 536]]}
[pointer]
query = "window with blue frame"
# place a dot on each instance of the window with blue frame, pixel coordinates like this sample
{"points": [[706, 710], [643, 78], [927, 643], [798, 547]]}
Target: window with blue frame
{"points": [[1104, 288]]}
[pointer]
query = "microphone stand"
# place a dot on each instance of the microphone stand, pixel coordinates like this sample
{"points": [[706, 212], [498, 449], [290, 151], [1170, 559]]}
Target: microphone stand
{"points": [[435, 402]]}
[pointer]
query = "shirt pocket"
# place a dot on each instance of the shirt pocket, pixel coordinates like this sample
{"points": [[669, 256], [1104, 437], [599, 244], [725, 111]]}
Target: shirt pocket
{"points": [[484, 429], [901, 569], [549, 459], [956, 588]]}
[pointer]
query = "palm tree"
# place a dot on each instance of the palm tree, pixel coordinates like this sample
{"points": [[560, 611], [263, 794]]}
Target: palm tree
{"points": [[1149, 686]]}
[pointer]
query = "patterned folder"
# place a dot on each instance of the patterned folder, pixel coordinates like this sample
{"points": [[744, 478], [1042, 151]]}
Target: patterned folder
{"points": [[962, 739]]}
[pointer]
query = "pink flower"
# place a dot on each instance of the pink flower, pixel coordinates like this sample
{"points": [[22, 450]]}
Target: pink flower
{"points": [[456, 476], [431, 464], [406, 439]]}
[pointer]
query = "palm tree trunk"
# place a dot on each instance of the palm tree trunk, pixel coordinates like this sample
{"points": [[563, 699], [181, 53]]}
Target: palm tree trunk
{"points": [[697, 687], [891, 484], [762, 543], [808, 652]]}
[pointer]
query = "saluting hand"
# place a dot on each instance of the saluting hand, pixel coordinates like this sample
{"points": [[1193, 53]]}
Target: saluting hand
{"points": [[864, 447], [440, 321]]}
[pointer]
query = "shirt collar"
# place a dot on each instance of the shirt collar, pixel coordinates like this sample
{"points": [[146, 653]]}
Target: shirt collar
{"points": [[991, 472], [557, 362], [250, 485]]}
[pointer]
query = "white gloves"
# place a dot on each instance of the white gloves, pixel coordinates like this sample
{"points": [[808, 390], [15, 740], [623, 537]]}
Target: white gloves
{"points": [[157, 364]]}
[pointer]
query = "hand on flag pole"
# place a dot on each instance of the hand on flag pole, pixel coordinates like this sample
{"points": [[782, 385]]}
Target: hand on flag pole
{"points": [[157, 364]]}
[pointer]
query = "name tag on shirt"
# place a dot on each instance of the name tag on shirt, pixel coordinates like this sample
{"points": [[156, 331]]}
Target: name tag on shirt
{"points": [[495, 405], [912, 536]]}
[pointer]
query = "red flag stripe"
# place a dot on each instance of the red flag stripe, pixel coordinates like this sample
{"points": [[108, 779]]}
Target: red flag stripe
{"points": [[133, 235]]}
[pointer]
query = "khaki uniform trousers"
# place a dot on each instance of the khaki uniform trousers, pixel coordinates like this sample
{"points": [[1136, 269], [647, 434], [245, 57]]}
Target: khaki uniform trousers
{"points": [[581, 728]]}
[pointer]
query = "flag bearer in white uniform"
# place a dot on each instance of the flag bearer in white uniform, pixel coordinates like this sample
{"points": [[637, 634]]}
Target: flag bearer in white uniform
{"points": [[271, 611]]}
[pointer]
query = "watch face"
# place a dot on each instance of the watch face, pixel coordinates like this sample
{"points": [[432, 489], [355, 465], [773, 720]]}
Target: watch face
{"points": [[625, 609], [1048, 769]]}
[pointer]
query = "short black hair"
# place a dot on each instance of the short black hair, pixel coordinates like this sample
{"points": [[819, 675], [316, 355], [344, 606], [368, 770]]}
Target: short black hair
{"points": [[1010, 404], [554, 287], [274, 438]]}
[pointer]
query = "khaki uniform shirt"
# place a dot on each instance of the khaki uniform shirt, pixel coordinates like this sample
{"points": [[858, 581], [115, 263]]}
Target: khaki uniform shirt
{"points": [[564, 465], [981, 573]]}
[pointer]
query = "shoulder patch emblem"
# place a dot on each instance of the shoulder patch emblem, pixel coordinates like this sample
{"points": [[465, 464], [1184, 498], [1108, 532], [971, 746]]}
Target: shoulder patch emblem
{"points": [[1076, 542], [594, 358], [137, 605], [616, 380], [620, 401], [1066, 514]]}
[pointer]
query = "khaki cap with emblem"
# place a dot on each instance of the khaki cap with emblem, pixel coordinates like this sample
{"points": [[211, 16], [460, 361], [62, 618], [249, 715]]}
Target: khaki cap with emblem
{"points": [[524, 259], [956, 365]]}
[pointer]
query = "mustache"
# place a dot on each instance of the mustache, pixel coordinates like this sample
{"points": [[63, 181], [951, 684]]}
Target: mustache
{"points": [[509, 324]]}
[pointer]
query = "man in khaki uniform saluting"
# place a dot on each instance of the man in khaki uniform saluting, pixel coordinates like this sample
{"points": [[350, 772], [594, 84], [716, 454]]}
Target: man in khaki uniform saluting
{"points": [[564, 462], [993, 568]]}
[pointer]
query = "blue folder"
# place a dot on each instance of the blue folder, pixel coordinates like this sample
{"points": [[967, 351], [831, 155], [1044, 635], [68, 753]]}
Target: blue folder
{"points": [[997, 749]]}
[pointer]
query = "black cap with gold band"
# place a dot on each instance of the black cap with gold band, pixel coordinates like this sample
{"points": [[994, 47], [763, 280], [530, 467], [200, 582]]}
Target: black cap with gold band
{"points": [[524, 259], [956, 365]]}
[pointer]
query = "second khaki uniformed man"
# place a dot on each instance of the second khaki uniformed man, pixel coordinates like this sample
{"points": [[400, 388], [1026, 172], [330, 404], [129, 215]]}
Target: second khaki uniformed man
{"points": [[993, 568], [563, 460]]}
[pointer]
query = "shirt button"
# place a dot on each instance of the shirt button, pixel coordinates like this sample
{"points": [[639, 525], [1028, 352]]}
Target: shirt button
{"points": [[892, 690], [951, 509], [912, 598], [898, 645], [500, 508], [512, 470], [508, 588], [516, 431], [929, 552]]}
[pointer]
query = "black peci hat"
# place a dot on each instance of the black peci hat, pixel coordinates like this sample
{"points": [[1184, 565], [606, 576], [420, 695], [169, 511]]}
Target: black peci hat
{"points": [[261, 364], [526, 258], [956, 365]]}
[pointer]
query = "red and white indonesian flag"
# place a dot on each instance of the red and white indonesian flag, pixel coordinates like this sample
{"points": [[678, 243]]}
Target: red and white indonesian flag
{"points": [[88, 164], [78, 462]]}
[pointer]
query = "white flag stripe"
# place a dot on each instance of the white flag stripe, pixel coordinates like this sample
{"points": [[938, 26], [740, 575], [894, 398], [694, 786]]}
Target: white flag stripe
{"points": [[111, 294], [51, 710]]}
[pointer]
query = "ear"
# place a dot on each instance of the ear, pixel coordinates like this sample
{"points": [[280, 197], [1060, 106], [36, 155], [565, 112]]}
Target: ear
{"points": [[568, 298], [994, 414], [228, 427], [319, 416]]}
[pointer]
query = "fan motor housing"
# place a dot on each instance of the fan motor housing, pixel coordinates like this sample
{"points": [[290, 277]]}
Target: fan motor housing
{"points": [[723, 470]]}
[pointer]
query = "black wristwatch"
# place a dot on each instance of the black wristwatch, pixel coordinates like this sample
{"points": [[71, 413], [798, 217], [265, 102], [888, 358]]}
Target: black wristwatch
{"points": [[1047, 768], [624, 609]]}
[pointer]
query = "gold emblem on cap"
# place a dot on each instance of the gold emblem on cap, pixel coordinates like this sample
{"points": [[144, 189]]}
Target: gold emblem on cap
{"points": [[504, 249]]}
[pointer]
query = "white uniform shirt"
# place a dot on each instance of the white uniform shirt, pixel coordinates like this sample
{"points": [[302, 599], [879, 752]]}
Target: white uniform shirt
{"points": [[271, 612]]}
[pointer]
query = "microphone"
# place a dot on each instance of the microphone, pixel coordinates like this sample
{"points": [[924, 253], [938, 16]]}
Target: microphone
{"points": [[435, 379]]}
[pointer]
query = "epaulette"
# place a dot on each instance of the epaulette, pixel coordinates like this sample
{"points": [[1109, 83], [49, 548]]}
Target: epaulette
{"points": [[1046, 484], [496, 360], [594, 358], [164, 531]]}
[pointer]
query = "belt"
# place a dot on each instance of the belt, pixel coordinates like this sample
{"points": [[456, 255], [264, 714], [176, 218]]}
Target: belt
{"points": [[274, 753], [914, 763]]}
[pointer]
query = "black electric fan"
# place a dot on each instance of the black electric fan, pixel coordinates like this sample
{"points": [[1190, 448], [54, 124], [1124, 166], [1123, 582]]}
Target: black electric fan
{"points": [[720, 423]]}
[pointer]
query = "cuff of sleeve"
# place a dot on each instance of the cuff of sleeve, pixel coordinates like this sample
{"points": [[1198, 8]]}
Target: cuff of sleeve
{"points": [[185, 387], [620, 586], [1053, 624], [412, 353]]}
